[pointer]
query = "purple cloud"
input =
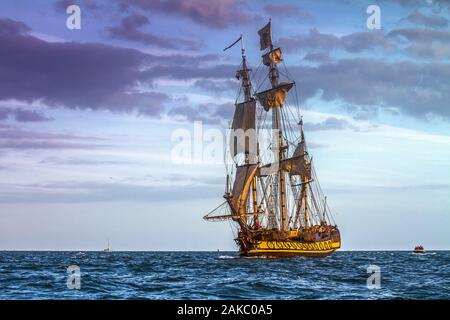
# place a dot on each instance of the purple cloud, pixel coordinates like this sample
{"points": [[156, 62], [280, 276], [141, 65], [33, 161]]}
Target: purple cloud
{"points": [[413, 87], [17, 138], [286, 10], [415, 42], [417, 89], [80, 161], [12, 27], [421, 35], [89, 4], [354, 42], [434, 4], [217, 86], [85, 75], [76, 191], [129, 30], [423, 43], [331, 123], [182, 72], [317, 56], [433, 21], [213, 13], [73, 75], [207, 113], [22, 115]]}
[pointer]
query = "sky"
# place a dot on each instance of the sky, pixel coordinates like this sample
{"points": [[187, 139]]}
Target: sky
{"points": [[89, 118]]}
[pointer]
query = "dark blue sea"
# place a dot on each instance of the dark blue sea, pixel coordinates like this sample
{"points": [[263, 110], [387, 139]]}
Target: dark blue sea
{"points": [[208, 275]]}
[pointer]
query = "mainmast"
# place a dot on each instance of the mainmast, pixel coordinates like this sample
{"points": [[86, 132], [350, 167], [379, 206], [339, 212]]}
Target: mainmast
{"points": [[270, 59], [305, 179]]}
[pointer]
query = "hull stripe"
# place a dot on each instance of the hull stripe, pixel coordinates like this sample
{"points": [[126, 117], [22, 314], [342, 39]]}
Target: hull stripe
{"points": [[289, 251]]}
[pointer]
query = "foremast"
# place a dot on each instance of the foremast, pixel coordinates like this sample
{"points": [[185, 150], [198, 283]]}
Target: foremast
{"points": [[244, 119]]}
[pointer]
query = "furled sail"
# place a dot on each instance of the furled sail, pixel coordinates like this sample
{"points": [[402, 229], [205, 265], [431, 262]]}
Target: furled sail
{"points": [[274, 97], [269, 169], [273, 56], [244, 115], [242, 183], [297, 164], [300, 149], [243, 135]]}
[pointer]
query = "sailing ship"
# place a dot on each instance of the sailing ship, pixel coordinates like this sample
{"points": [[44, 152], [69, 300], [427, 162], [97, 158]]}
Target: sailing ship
{"points": [[272, 195], [107, 249]]}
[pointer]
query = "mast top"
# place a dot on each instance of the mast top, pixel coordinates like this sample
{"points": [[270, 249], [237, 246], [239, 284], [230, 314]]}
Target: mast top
{"points": [[244, 72]]}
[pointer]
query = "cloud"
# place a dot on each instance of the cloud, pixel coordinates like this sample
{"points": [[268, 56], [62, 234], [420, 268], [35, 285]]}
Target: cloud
{"points": [[218, 14], [61, 5], [39, 144], [217, 86], [438, 5], [77, 191], [414, 88], [317, 56], [22, 115], [83, 75], [404, 187], [80, 161], [129, 30], [207, 113], [313, 40], [286, 10], [414, 42], [17, 138], [417, 89], [331, 123], [421, 35], [184, 72], [101, 77], [12, 27], [315, 145], [433, 21], [424, 43], [354, 42], [94, 8]]}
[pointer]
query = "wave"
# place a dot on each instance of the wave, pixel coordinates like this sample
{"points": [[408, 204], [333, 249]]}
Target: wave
{"points": [[223, 275], [228, 257]]}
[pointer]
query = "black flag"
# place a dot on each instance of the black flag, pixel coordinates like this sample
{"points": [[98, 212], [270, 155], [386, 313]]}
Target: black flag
{"points": [[265, 36], [233, 43]]}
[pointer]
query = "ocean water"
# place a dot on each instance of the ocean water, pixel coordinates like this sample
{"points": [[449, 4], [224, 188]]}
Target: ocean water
{"points": [[211, 275]]}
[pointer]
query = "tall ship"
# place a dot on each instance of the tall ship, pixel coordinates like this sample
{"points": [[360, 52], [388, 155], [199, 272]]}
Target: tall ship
{"points": [[272, 194]]}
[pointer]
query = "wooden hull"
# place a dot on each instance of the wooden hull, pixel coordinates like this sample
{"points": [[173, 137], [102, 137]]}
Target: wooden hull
{"points": [[290, 248]]}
